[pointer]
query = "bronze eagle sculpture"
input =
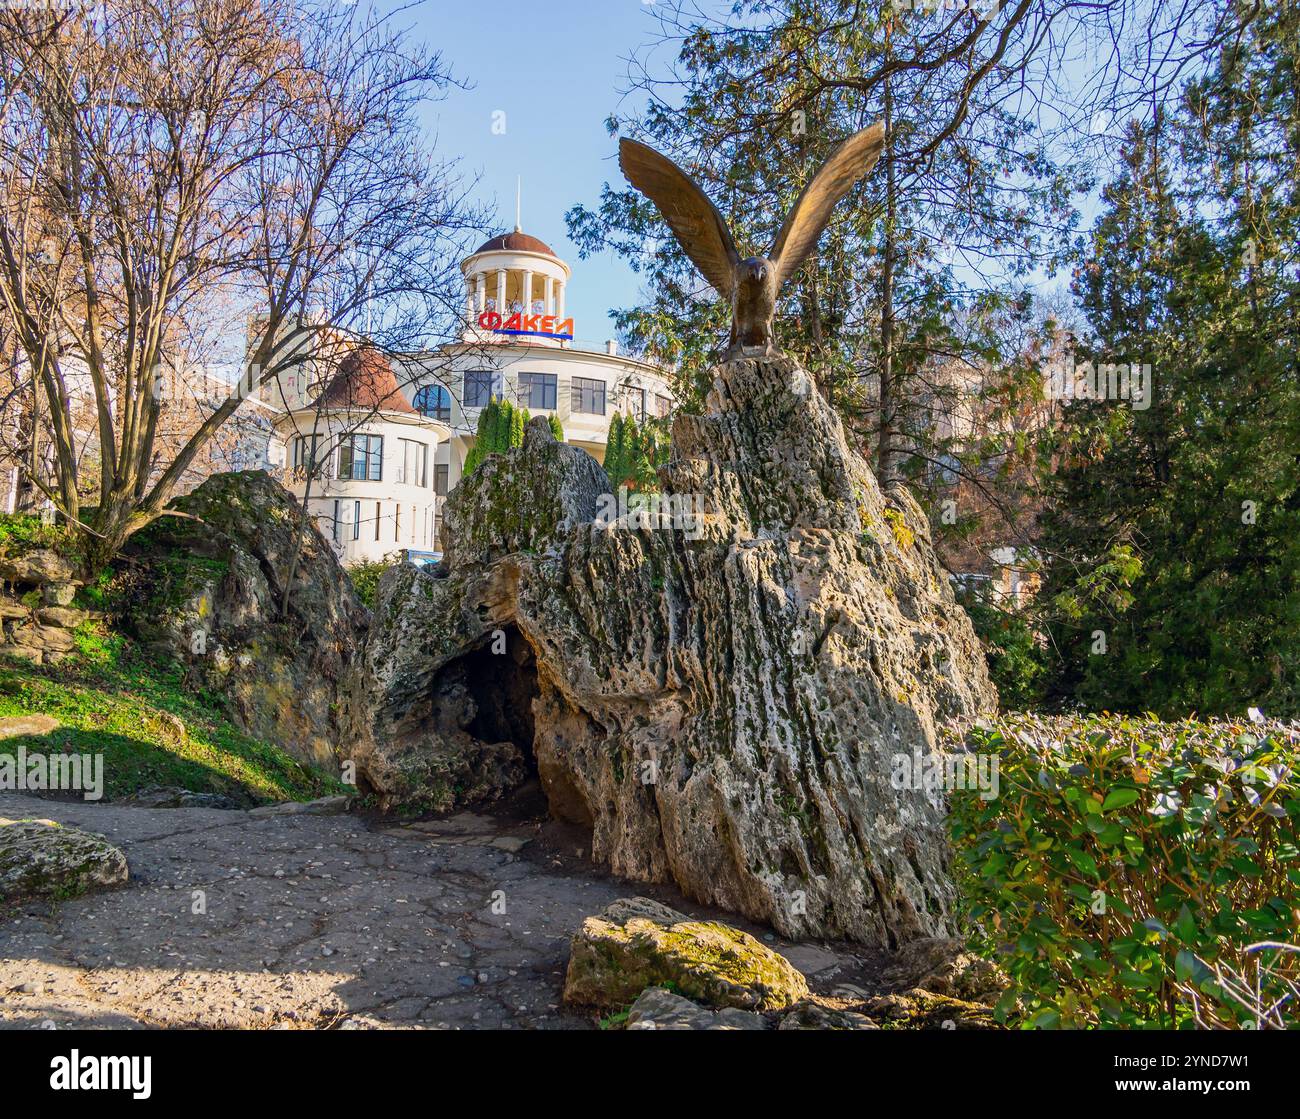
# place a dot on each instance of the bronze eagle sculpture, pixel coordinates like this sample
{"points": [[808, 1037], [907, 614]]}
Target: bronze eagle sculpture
{"points": [[752, 285]]}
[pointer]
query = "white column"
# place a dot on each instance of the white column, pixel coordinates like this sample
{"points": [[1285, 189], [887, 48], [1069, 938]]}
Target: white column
{"points": [[548, 304], [526, 292], [469, 300], [501, 291], [480, 299], [559, 299]]}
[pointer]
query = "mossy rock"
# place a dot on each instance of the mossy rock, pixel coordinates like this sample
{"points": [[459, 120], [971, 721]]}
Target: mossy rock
{"points": [[612, 961], [42, 858]]}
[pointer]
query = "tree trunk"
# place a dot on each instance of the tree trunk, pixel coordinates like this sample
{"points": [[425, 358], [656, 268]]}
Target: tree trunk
{"points": [[888, 390]]}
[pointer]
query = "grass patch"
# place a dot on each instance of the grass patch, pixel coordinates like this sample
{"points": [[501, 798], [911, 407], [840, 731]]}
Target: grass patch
{"points": [[152, 728]]}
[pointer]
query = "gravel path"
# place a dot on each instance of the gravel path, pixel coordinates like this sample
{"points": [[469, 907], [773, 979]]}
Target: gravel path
{"points": [[233, 919]]}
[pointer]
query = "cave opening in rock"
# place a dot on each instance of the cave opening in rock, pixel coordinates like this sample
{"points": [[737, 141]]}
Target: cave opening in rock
{"points": [[501, 678]]}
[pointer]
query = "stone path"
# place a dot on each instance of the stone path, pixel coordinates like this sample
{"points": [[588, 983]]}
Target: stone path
{"points": [[243, 920]]}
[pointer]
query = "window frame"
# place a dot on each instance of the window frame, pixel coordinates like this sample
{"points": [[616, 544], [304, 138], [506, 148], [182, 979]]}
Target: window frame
{"points": [[496, 387], [371, 458], [548, 383], [422, 462], [579, 386], [442, 411]]}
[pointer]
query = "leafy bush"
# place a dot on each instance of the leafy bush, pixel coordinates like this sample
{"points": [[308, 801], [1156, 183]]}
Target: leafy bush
{"points": [[1125, 861], [366, 575]]}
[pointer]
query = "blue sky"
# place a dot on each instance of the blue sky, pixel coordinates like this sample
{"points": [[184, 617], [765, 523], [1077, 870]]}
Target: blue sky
{"points": [[555, 71]]}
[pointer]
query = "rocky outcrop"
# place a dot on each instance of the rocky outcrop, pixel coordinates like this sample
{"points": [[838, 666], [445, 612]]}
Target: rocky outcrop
{"points": [[36, 618], [42, 858], [638, 943], [208, 587], [720, 687]]}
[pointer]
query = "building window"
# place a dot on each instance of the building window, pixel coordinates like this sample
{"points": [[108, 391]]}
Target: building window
{"points": [[662, 406], [356, 521], [337, 531], [412, 462], [434, 401], [305, 450], [361, 458], [481, 385], [379, 516], [637, 397], [588, 396], [537, 390], [441, 474]]}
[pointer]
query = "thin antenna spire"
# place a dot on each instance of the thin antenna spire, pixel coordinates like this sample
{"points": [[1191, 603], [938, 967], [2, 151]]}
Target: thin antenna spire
{"points": [[519, 187]]}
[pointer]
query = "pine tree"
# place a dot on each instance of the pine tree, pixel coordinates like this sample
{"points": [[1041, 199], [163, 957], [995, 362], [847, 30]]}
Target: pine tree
{"points": [[615, 450], [1176, 531]]}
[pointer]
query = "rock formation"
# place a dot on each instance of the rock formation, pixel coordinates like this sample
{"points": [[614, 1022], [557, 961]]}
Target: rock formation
{"points": [[43, 858], [37, 619], [208, 586], [721, 696], [638, 943]]}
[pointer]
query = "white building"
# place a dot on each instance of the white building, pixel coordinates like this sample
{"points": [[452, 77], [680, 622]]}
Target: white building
{"points": [[517, 344]]}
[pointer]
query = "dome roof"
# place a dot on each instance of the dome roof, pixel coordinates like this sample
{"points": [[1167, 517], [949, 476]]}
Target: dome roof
{"points": [[365, 381], [518, 241]]}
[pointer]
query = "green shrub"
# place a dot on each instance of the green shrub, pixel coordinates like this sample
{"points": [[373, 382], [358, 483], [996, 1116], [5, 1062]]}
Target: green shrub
{"points": [[366, 575], [1125, 859]]}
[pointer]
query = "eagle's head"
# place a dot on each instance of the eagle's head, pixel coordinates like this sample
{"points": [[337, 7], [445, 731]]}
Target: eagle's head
{"points": [[755, 270]]}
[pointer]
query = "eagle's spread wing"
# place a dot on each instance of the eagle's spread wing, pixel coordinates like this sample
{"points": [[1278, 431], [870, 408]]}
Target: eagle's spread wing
{"points": [[694, 220], [812, 210]]}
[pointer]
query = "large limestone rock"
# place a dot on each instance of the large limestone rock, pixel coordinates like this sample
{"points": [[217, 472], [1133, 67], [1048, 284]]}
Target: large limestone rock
{"points": [[40, 857], [635, 944], [210, 587], [721, 699]]}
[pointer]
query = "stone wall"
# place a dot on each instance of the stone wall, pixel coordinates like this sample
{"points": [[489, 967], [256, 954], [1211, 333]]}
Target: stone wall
{"points": [[36, 613]]}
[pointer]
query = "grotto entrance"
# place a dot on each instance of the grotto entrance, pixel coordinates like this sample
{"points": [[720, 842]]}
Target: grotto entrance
{"points": [[481, 708], [501, 679]]}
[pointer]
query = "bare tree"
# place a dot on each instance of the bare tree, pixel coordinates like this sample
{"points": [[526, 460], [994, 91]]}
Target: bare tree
{"points": [[174, 170]]}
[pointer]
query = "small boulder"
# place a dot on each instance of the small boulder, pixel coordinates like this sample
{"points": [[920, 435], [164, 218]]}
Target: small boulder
{"points": [[61, 616], [14, 725], [41, 857], [616, 956], [46, 639], [922, 1010], [943, 966], [59, 594], [172, 796], [809, 1015], [658, 1009]]}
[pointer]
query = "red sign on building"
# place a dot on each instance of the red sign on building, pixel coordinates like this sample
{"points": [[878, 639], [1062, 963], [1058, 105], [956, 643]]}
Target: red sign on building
{"points": [[536, 326]]}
